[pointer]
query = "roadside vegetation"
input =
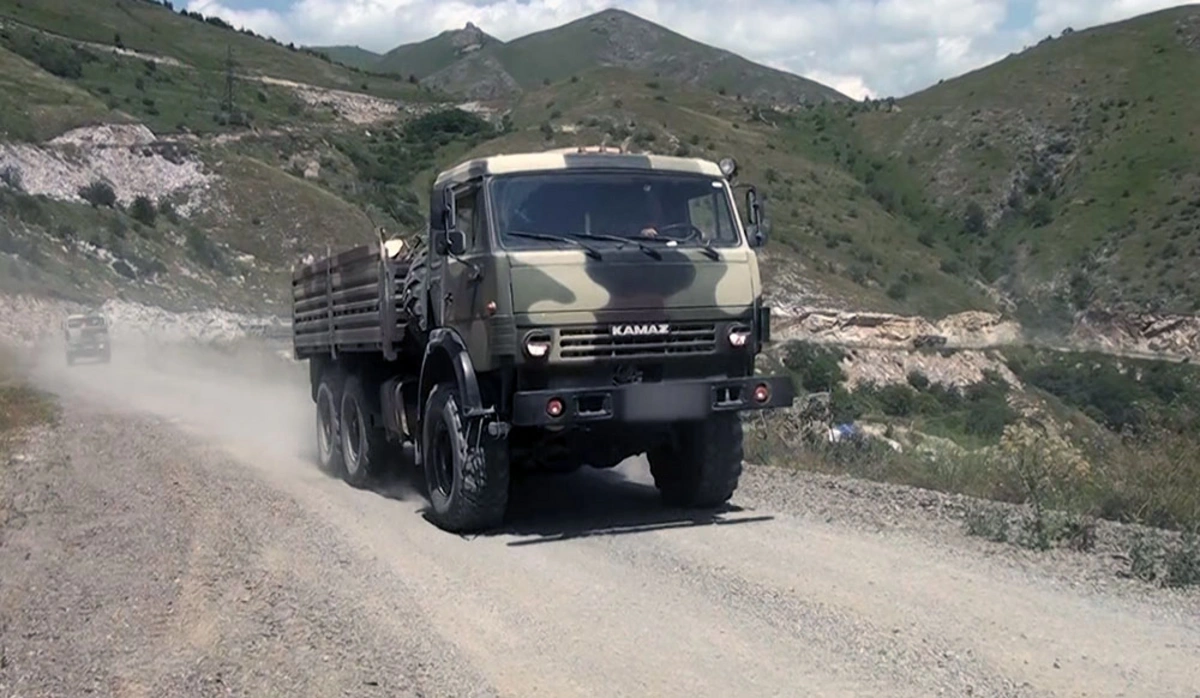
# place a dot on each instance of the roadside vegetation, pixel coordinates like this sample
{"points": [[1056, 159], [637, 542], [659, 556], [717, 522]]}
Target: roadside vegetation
{"points": [[1081, 438], [21, 405]]}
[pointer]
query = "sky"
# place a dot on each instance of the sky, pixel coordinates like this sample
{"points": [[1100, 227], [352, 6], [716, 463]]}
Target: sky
{"points": [[864, 48]]}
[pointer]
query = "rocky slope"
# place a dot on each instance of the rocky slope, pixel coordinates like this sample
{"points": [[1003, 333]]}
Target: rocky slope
{"points": [[29, 321]]}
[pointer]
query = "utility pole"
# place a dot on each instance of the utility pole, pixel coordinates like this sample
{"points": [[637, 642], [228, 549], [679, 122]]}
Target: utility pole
{"points": [[229, 81]]}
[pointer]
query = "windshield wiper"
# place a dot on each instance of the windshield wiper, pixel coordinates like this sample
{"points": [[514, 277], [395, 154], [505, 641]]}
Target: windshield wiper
{"points": [[591, 251], [706, 247], [623, 241]]}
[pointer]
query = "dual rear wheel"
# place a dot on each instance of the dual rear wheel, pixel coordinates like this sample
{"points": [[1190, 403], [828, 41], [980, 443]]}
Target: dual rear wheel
{"points": [[467, 474], [349, 445]]}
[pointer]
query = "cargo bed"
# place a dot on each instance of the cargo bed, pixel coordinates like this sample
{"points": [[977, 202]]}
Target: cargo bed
{"points": [[349, 302]]}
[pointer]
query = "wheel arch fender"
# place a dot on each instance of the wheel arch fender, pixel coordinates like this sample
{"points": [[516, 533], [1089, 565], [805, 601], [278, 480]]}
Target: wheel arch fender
{"points": [[446, 357]]}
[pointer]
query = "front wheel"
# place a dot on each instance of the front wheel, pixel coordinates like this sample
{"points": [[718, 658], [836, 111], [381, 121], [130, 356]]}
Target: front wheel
{"points": [[467, 473], [700, 465]]}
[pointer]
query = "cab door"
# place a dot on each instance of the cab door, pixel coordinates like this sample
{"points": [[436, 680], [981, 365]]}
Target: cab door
{"points": [[461, 305]]}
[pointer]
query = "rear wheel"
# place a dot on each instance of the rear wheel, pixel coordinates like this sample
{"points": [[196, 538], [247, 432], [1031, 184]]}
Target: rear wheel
{"points": [[467, 473], [329, 442], [700, 466], [363, 445]]}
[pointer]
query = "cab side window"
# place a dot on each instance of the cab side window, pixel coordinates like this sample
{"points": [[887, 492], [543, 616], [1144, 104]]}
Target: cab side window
{"points": [[464, 212]]}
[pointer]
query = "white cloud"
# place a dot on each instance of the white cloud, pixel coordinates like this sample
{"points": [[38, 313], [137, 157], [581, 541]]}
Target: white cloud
{"points": [[861, 47]]}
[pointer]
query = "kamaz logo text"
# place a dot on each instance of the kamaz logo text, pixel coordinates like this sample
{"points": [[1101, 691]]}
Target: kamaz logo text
{"points": [[639, 330]]}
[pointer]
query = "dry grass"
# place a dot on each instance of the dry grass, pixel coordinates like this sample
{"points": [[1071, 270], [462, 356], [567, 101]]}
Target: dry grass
{"points": [[1060, 489], [21, 405]]}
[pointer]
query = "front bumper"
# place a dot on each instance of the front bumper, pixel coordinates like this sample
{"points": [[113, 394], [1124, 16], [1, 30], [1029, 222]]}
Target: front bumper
{"points": [[87, 349], [667, 401]]}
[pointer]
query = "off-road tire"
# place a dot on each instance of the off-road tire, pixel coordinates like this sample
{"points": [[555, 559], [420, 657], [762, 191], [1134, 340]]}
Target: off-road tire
{"points": [[412, 298], [363, 446], [700, 466], [329, 429], [476, 473]]}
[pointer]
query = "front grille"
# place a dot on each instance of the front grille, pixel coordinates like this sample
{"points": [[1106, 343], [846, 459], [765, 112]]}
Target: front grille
{"points": [[598, 342]]}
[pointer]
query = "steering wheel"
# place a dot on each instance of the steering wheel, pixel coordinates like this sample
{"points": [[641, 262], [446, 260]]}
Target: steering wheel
{"points": [[692, 231]]}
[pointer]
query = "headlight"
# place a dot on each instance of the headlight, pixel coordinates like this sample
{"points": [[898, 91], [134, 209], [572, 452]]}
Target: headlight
{"points": [[537, 344], [739, 336]]}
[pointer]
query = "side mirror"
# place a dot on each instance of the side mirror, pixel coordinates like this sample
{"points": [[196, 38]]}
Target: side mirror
{"points": [[449, 217], [757, 228], [449, 240]]}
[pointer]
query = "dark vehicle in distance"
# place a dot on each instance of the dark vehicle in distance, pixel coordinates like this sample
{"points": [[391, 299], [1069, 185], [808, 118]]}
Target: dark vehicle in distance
{"points": [[86, 335]]}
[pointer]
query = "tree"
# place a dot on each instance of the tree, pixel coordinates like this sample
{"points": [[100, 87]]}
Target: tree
{"points": [[975, 220]]}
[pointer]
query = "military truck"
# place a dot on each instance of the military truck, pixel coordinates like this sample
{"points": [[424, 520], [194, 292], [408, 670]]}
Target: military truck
{"points": [[563, 308], [86, 335]]}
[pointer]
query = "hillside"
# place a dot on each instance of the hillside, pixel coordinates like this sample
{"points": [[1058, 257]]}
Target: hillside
{"points": [[201, 43], [125, 173], [470, 62], [969, 195], [351, 56], [1068, 174], [425, 58]]}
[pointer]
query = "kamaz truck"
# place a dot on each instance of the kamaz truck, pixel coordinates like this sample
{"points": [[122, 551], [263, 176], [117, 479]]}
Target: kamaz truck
{"points": [[563, 308]]}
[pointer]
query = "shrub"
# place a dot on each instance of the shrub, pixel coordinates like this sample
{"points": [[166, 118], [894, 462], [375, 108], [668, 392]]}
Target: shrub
{"points": [[975, 220], [898, 291], [11, 177], [918, 380], [99, 193], [816, 367], [142, 210]]}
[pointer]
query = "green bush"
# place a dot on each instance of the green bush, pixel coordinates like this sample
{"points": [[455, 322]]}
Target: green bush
{"points": [[142, 209], [99, 193], [1125, 396], [816, 367]]}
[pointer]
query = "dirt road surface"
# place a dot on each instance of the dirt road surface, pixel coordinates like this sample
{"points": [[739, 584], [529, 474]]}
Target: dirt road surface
{"points": [[171, 537]]}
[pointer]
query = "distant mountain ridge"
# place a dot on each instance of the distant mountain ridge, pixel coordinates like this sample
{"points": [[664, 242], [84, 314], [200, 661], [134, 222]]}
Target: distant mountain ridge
{"points": [[472, 63]]}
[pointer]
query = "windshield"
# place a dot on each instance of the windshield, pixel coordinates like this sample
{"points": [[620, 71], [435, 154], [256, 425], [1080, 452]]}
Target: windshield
{"points": [[688, 209]]}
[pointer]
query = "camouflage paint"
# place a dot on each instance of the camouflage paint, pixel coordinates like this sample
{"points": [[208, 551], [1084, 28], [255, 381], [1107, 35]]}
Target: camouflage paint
{"points": [[553, 282]]}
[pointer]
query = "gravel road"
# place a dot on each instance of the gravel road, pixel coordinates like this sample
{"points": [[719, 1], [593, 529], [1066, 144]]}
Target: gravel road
{"points": [[171, 537]]}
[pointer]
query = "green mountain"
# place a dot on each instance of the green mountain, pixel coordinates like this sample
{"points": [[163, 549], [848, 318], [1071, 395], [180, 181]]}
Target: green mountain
{"points": [[470, 62], [1070, 173], [427, 57], [199, 42]]}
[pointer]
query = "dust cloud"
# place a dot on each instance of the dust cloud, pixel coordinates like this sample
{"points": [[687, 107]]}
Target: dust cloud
{"points": [[246, 394]]}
